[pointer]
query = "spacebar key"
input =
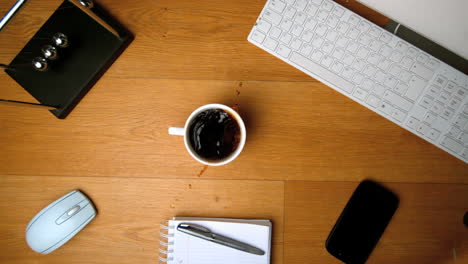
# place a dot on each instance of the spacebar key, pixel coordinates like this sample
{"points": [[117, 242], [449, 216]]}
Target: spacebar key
{"points": [[321, 72]]}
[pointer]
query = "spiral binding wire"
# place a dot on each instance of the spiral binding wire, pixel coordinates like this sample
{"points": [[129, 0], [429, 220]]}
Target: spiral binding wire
{"points": [[165, 245]]}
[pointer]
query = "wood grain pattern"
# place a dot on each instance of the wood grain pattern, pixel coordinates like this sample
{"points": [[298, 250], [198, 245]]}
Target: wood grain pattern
{"points": [[126, 229], [427, 227], [115, 147], [295, 131]]}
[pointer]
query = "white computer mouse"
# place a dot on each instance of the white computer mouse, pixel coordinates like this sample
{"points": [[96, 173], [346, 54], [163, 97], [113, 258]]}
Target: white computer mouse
{"points": [[54, 225]]}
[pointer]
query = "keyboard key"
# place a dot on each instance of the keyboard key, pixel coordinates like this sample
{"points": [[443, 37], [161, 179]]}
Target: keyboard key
{"points": [[380, 76], [322, 15], [297, 30], [401, 88], [348, 73], [412, 53], [354, 20], [451, 87], [300, 4], [452, 145], [284, 51], [422, 71], [317, 56], [447, 113], [422, 128], [370, 70], [311, 10], [348, 58], [317, 42], [430, 118], [398, 115], [263, 25], [373, 101], [437, 108], [464, 138], [310, 23], [337, 67], [258, 36], [367, 84], [363, 26], [338, 11], [353, 33], [412, 123], [379, 90], [386, 37], [327, 61], [416, 86], [327, 6], [352, 46], [317, 2], [332, 35], [401, 47], [286, 38], [342, 42], [290, 12], [332, 21], [433, 91], [441, 80], [376, 45], [286, 24], [322, 72], [461, 121], [386, 51], [300, 18], [386, 108], [365, 39], [306, 49], [277, 5], [422, 58], [461, 93], [390, 81], [426, 102], [338, 53], [454, 103], [374, 58], [296, 44], [359, 64], [395, 70], [396, 56], [407, 62], [454, 132], [275, 32], [360, 94], [432, 64], [362, 52], [270, 44], [358, 78], [321, 29], [375, 31], [272, 16], [405, 76], [307, 35], [384, 64], [343, 27], [433, 134], [327, 47], [397, 100]]}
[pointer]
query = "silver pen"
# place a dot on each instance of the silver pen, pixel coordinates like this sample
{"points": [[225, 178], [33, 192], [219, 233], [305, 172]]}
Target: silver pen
{"points": [[206, 234], [11, 13]]}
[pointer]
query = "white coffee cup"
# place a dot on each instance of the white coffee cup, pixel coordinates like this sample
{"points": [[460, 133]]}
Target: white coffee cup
{"points": [[184, 131]]}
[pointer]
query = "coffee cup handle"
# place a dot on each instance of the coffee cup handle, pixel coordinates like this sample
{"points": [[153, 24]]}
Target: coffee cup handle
{"points": [[176, 131]]}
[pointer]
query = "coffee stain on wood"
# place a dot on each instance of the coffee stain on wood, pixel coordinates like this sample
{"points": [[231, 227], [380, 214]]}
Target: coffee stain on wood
{"points": [[202, 170]]}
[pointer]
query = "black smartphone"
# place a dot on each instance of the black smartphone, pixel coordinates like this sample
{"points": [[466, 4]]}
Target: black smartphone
{"points": [[362, 223]]}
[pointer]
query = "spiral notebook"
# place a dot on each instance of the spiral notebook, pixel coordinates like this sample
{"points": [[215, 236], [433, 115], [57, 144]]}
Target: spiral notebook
{"points": [[180, 248]]}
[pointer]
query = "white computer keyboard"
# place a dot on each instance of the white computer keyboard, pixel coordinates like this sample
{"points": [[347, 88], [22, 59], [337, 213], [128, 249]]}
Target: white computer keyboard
{"points": [[371, 66]]}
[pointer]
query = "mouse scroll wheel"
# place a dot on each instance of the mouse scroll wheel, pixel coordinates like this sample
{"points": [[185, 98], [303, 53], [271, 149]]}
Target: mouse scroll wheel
{"points": [[73, 210]]}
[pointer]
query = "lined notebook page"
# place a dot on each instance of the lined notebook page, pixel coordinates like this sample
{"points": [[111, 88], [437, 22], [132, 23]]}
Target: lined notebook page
{"points": [[192, 250]]}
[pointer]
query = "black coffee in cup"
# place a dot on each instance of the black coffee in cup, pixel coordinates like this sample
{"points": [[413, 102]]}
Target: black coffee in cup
{"points": [[214, 134]]}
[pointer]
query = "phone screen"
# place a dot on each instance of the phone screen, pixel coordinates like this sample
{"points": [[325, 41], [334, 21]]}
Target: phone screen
{"points": [[362, 222]]}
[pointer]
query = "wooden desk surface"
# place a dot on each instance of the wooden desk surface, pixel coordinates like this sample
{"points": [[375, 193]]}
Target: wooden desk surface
{"points": [[307, 149]]}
